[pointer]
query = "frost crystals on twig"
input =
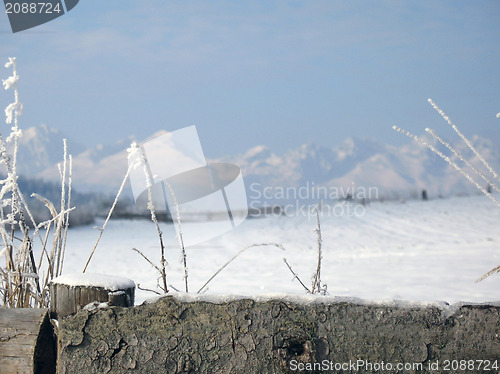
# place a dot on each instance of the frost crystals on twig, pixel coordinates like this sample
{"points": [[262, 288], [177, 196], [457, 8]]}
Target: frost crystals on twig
{"points": [[20, 281], [181, 240], [280, 246], [295, 276], [449, 161], [111, 210], [490, 180], [316, 285], [136, 152]]}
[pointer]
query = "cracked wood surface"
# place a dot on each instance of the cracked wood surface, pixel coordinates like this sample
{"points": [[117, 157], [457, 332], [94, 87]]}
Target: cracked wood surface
{"points": [[248, 336], [27, 343]]}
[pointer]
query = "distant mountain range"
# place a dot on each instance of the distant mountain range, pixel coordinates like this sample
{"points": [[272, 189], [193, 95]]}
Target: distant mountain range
{"points": [[356, 163]]}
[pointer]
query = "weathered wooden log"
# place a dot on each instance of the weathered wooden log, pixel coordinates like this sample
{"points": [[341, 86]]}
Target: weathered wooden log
{"points": [[27, 342], [248, 336], [70, 293]]}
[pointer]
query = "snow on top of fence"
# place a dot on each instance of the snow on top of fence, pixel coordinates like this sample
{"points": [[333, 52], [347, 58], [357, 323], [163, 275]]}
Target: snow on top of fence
{"points": [[305, 299], [108, 282]]}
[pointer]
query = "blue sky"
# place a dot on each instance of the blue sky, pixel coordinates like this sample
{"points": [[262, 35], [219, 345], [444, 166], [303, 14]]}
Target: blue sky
{"points": [[278, 73]]}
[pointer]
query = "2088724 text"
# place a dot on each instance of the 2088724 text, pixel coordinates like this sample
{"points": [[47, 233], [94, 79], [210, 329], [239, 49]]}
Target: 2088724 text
{"points": [[32, 8]]}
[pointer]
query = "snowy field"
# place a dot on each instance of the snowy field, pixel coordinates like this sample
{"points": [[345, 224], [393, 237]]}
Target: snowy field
{"points": [[416, 251]]}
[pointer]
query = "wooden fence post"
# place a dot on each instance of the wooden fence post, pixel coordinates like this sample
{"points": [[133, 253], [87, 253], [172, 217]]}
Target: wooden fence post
{"points": [[27, 342], [70, 293]]}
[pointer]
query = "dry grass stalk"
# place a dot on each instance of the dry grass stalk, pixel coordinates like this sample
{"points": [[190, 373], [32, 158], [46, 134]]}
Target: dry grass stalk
{"points": [[181, 240], [490, 180], [20, 281], [316, 285], [136, 151], [280, 246], [295, 276], [449, 161], [110, 213]]}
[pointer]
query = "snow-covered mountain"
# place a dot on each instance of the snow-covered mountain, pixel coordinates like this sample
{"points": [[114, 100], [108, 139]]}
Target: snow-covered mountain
{"points": [[39, 148], [354, 163], [359, 164], [99, 169], [308, 163]]}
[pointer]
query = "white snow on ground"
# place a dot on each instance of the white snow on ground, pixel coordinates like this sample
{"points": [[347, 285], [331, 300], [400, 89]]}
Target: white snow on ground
{"points": [[413, 251]]}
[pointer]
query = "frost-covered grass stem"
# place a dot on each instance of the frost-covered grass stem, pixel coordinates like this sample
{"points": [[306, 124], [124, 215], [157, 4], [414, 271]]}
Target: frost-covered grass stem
{"points": [[464, 138], [449, 161], [66, 228], [316, 286], [111, 210], [58, 240], [20, 281], [295, 275], [280, 246], [181, 240], [460, 157], [136, 152]]}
